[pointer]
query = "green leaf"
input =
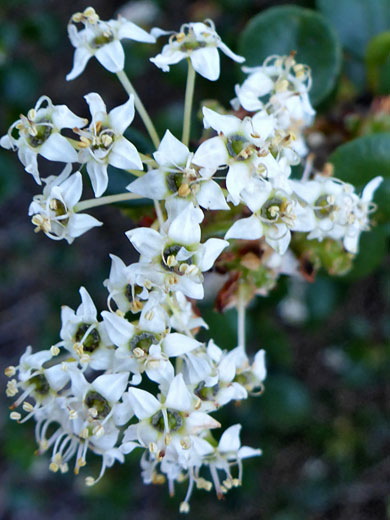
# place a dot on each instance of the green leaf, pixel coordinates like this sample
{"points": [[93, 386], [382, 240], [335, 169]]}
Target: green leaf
{"points": [[280, 30], [356, 21], [378, 63], [361, 160]]}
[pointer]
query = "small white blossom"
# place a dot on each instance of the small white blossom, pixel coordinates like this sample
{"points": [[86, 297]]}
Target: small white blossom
{"points": [[39, 133], [103, 142], [177, 176], [53, 210], [200, 43], [101, 39]]}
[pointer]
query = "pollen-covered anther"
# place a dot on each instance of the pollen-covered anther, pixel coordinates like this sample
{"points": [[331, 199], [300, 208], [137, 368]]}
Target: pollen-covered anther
{"points": [[98, 430], [198, 403], [236, 482], [138, 352], [12, 388], [53, 467], [184, 507], [184, 190], [41, 223], [153, 447], [64, 468], [72, 414], [167, 439], [10, 371], [27, 407], [228, 483], [281, 85], [84, 434], [85, 358], [92, 412], [84, 142], [149, 315], [81, 462], [15, 416], [202, 483], [158, 478], [171, 261], [78, 348], [136, 305], [64, 366], [185, 443], [106, 140], [54, 350], [89, 481]]}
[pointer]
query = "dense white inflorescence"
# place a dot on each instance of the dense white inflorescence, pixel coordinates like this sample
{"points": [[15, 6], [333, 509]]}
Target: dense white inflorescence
{"points": [[148, 332]]}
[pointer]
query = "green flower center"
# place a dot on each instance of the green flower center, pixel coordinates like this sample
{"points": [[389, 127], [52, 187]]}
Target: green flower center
{"points": [[175, 420], [43, 132], [102, 39], [92, 341], [174, 181], [323, 207], [98, 402], [273, 209], [169, 261], [206, 393], [236, 144], [144, 341], [41, 385]]}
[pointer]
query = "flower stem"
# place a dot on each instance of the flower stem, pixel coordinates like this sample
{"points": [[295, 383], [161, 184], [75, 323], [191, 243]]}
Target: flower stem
{"points": [[241, 307], [159, 214], [188, 103], [122, 76], [101, 201]]}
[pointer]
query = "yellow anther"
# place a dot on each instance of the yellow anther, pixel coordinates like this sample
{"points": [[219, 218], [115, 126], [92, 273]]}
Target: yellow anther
{"points": [[184, 507], [138, 352], [185, 443], [89, 481], [12, 388], [184, 190], [158, 478], [53, 467], [106, 140], [54, 350], [27, 407], [167, 439], [171, 261], [72, 414], [202, 483], [10, 371], [15, 416]]}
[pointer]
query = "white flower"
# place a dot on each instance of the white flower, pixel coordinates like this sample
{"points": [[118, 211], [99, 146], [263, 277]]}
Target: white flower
{"points": [[162, 420], [39, 134], [242, 144], [83, 336], [339, 212], [200, 43], [177, 176], [275, 214], [281, 87], [177, 254], [102, 40], [103, 142], [53, 210]]}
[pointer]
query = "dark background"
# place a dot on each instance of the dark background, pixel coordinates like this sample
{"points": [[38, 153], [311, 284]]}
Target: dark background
{"points": [[324, 420]]}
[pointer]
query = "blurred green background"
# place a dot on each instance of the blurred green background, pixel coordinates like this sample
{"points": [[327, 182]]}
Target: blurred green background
{"points": [[324, 420]]}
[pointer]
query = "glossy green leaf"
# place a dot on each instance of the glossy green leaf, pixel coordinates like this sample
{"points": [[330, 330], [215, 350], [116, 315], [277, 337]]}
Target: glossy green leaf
{"points": [[361, 160], [356, 21], [280, 30], [378, 63]]}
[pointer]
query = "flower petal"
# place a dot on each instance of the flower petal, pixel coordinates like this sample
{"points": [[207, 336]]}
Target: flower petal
{"points": [[176, 344], [120, 117], [58, 148], [206, 62], [246, 228], [111, 56], [125, 155]]}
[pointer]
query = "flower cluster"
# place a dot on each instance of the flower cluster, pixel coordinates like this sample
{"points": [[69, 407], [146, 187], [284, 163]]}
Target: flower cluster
{"points": [[136, 377]]}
